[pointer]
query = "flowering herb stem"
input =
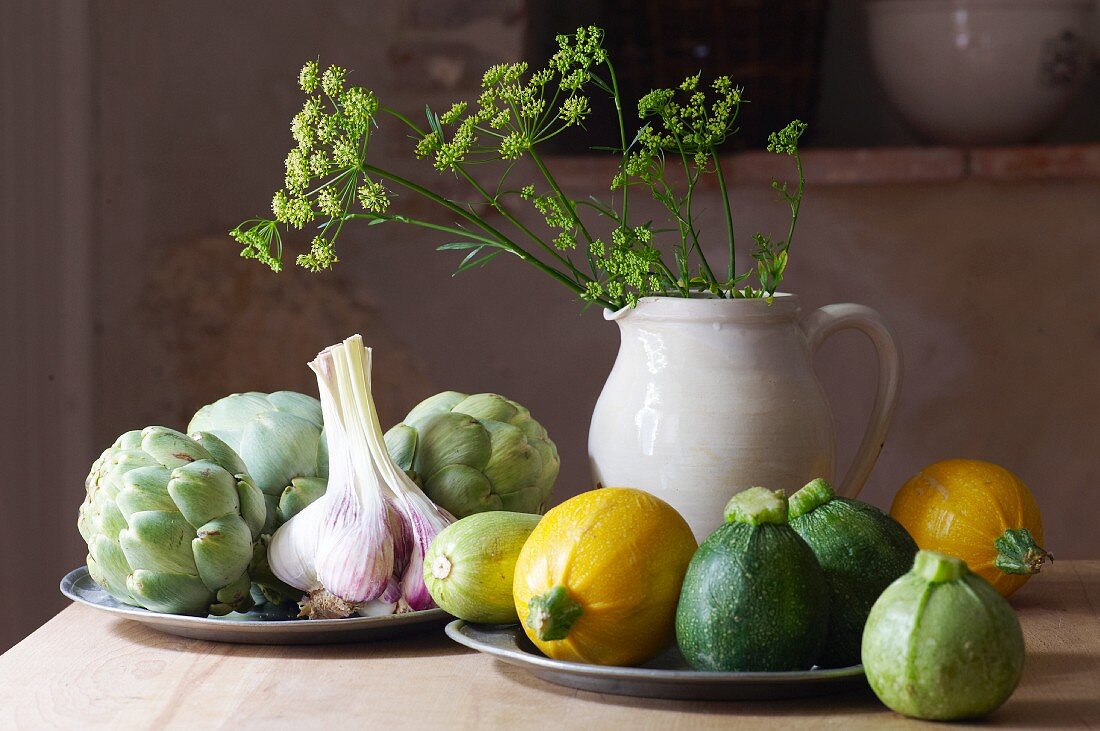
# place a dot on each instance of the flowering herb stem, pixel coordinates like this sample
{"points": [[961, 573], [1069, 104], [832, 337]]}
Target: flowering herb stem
{"points": [[330, 170], [505, 243], [617, 98], [728, 210], [570, 207], [494, 201]]}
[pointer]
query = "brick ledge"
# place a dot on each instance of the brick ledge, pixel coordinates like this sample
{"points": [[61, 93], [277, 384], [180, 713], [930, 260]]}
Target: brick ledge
{"points": [[881, 165]]}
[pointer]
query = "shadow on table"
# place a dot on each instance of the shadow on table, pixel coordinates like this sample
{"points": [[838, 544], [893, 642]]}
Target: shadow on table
{"points": [[432, 643], [1047, 713], [1046, 668], [852, 702]]}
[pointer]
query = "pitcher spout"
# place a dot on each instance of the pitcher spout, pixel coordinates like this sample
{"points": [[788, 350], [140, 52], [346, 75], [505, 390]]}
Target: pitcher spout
{"points": [[616, 315]]}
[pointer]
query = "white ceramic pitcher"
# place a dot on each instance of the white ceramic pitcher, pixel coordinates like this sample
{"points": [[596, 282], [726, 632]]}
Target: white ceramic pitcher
{"points": [[711, 396]]}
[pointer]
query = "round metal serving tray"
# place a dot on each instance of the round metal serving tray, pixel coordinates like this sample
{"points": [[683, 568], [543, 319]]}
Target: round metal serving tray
{"points": [[256, 628], [667, 676]]}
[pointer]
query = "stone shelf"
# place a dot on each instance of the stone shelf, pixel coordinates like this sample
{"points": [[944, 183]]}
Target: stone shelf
{"points": [[882, 165]]}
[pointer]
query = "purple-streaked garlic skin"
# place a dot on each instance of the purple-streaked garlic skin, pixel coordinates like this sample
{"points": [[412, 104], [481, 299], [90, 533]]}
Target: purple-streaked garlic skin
{"points": [[360, 548]]}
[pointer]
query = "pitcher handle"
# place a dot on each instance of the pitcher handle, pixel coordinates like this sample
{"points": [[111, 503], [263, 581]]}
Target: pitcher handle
{"points": [[822, 323]]}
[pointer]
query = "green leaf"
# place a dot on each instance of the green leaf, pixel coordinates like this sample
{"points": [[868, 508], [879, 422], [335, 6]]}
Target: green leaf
{"points": [[464, 245], [433, 121], [470, 262]]}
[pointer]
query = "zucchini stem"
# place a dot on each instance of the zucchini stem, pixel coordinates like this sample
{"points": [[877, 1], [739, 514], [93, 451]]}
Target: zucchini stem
{"points": [[811, 497], [1018, 553], [937, 568], [553, 614], [757, 505]]}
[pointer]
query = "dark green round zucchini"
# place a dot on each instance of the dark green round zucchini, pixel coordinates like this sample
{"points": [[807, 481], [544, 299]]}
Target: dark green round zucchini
{"points": [[754, 597], [861, 550]]}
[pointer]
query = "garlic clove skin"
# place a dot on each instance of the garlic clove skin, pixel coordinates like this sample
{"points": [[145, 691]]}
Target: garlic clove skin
{"points": [[426, 522], [388, 603], [355, 552], [292, 551]]}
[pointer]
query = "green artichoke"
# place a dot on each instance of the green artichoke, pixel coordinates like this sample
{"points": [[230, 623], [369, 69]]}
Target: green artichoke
{"points": [[476, 453], [280, 437], [172, 523]]}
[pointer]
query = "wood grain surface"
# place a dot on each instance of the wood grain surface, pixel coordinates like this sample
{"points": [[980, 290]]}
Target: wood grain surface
{"points": [[86, 669]]}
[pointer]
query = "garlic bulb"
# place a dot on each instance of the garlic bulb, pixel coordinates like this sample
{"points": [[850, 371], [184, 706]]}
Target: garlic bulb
{"points": [[360, 548]]}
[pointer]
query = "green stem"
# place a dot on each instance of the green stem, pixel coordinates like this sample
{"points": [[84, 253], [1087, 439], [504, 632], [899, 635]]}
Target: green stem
{"points": [[796, 203], [398, 115], [755, 506], [937, 568], [815, 494], [465, 233], [503, 240], [492, 200], [692, 182], [668, 200], [724, 192], [1018, 553], [345, 204], [622, 139], [552, 615], [672, 278], [553, 183]]}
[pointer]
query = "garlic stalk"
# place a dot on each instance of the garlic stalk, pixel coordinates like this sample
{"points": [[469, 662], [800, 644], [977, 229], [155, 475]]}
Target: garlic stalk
{"points": [[360, 548]]}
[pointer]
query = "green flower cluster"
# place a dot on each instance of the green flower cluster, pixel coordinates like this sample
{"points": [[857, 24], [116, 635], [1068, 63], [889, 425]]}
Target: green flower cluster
{"points": [[327, 173], [631, 264], [691, 126], [785, 141], [331, 133], [514, 111]]}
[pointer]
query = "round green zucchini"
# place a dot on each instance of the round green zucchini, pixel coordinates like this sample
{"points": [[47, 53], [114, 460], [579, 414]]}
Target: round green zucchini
{"points": [[754, 597], [470, 564], [941, 643], [861, 551]]}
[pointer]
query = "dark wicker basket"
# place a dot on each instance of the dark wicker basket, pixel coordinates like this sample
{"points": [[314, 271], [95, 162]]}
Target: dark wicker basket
{"points": [[771, 48]]}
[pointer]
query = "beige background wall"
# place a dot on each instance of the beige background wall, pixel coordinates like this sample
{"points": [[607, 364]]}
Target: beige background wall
{"points": [[992, 286]]}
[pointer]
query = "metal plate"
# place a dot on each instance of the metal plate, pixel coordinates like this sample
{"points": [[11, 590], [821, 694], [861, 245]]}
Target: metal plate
{"points": [[667, 676], [255, 628]]}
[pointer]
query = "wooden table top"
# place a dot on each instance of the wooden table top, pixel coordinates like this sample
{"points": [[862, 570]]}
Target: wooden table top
{"points": [[86, 669]]}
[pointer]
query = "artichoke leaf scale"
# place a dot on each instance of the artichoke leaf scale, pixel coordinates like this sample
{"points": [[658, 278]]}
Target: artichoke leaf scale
{"points": [[129, 440], [222, 551], [106, 516], [298, 404], [253, 504], [203, 491], [401, 442], [172, 448], [515, 463], [452, 438], [125, 460], [224, 455], [487, 407], [159, 541], [108, 567], [236, 409], [169, 593], [441, 403], [144, 488], [457, 487], [280, 438], [232, 597], [301, 492], [279, 447]]}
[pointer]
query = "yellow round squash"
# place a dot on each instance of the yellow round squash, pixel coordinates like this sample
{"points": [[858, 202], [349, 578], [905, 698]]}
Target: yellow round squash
{"points": [[979, 512], [599, 578]]}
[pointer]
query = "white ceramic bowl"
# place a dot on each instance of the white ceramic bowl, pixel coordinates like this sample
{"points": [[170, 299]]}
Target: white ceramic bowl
{"points": [[975, 72]]}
